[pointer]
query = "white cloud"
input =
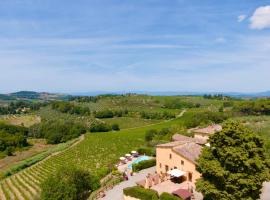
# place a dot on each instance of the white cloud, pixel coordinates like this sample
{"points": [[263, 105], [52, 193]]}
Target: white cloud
{"points": [[221, 40], [241, 18], [260, 18]]}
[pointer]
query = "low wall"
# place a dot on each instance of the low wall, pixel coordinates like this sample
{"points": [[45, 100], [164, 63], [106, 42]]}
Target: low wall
{"points": [[130, 198]]}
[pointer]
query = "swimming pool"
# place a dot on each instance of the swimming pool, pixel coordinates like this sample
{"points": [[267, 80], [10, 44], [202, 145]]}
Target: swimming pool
{"points": [[141, 158]]}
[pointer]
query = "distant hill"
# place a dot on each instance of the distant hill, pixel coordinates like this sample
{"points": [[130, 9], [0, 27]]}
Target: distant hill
{"points": [[31, 95], [175, 93]]}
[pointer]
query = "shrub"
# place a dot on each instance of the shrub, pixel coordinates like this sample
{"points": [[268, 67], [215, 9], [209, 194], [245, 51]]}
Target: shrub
{"points": [[100, 127], [157, 115], [115, 127], [147, 151], [167, 196], [104, 114], [143, 165], [10, 150], [141, 193], [150, 134]]}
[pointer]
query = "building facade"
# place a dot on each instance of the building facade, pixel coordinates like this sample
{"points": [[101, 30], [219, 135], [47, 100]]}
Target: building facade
{"points": [[179, 155]]}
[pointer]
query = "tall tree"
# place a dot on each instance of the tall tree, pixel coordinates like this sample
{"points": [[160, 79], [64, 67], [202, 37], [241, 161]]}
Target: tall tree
{"points": [[235, 166]]}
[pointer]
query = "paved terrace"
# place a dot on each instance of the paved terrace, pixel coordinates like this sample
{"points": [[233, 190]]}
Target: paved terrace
{"points": [[117, 192]]}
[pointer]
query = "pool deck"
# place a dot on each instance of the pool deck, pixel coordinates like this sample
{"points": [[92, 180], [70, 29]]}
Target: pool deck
{"points": [[124, 167]]}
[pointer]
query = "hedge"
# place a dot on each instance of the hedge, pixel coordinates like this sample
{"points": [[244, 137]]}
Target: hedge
{"points": [[147, 151], [141, 193], [143, 165], [167, 196]]}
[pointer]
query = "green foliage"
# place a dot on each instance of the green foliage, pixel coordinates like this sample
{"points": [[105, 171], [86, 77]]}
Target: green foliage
{"points": [[82, 99], [217, 97], [57, 131], [144, 164], [150, 134], [100, 127], [235, 166], [10, 150], [178, 104], [104, 114], [157, 115], [228, 104], [12, 137], [147, 151], [115, 127], [110, 114], [254, 107], [141, 193], [168, 196], [18, 107], [68, 183], [195, 119], [12, 129], [153, 135], [67, 107]]}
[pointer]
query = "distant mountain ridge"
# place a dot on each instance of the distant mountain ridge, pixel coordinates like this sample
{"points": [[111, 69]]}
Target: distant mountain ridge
{"points": [[31, 95]]}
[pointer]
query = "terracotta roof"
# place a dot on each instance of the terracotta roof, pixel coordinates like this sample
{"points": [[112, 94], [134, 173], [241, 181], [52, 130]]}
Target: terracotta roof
{"points": [[178, 137], [184, 194], [171, 144], [182, 138], [209, 129], [190, 150]]}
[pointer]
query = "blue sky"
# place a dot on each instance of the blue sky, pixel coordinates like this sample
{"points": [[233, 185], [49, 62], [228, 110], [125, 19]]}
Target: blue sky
{"points": [[128, 45]]}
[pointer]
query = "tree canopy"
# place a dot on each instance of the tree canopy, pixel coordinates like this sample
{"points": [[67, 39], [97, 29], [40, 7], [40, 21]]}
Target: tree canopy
{"points": [[69, 183], [235, 166]]}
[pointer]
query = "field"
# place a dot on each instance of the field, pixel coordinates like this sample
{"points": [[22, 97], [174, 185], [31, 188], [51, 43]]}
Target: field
{"points": [[21, 120], [128, 122], [96, 153]]}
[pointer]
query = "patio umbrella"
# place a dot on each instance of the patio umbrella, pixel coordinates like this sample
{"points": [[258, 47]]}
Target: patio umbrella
{"points": [[127, 155], [176, 173], [122, 158], [133, 152]]}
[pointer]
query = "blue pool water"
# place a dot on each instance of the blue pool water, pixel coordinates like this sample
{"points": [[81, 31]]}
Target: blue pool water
{"points": [[141, 158]]}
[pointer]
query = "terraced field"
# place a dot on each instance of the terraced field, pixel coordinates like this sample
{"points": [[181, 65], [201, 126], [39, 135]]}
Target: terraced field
{"points": [[95, 153]]}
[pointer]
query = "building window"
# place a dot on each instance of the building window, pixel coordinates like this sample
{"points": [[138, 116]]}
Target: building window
{"points": [[182, 162], [167, 168], [170, 156], [160, 165], [175, 167]]}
